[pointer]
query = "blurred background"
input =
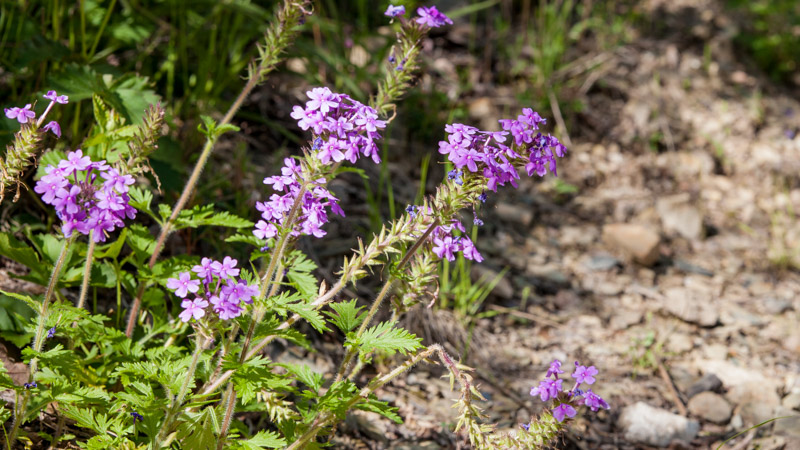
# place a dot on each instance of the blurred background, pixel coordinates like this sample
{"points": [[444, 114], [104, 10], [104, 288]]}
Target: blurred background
{"points": [[666, 253]]}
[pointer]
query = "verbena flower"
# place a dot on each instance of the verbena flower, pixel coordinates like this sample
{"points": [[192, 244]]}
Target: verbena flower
{"points": [[51, 332], [218, 287], [486, 152], [21, 114], [551, 388], [584, 374], [84, 202], [54, 127], [136, 417], [432, 17], [394, 11], [54, 97], [564, 410], [446, 245]]}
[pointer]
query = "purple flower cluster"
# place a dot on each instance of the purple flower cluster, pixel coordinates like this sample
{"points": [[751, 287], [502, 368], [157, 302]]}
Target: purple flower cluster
{"points": [[313, 214], [220, 288], [486, 152], [432, 17], [446, 245], [348, 129], [552, 388], [84, 202]]}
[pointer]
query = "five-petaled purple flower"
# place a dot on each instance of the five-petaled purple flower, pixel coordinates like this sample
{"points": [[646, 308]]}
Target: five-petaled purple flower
{"points": [[193, 309], [183, 284], [564, 410], [21, 114], [584, 374], [394, 11], [432, 17]]}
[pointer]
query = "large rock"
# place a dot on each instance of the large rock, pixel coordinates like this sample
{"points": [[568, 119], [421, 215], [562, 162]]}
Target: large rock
{"points": [[654, 426], [711, 407], [691, 306], [636, 241], [679, 215]]}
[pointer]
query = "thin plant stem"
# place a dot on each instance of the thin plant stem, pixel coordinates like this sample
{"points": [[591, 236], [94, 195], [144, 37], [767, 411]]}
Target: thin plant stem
{"points": [[38, 339], [200, 344], [102, 28], [87, 271]]}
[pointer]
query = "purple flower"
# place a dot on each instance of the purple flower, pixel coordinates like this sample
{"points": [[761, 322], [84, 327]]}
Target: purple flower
{"points": [[226, 268], [594, 401], [52, 96], [30, 385], [225, 308], [412, 211], [564, 410], [193, 308], [584, 374], [394, 11], [21, 114], [51, 332], [547, 389], [555, 369], [205, 270], [54, 127], [445, 247], [526, 426], [75, 161], [136, 417], [239, 292], [432, 17], [183, 284], [322, 99]]}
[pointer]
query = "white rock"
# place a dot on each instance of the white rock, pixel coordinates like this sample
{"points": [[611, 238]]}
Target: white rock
{"points": [[654, 426]]}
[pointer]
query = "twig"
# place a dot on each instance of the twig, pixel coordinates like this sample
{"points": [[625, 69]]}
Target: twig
{"points": [[676, 398], [527, 316]]}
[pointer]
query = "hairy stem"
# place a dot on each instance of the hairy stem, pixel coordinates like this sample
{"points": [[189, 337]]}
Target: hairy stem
{"points": [[87, 271], [177, 402]]}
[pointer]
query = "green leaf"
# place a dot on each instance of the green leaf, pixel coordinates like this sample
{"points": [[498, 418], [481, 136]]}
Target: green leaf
{"points": [[305, 375], [204, 216], [213, 131], [112, 250], [141, 199], [247, 239], [312, 316], [346, 315], [374, 405], [11, 248], [198, 430], [300, 268], [141, 241], [264, 439], [385, 337], [34, 304]]}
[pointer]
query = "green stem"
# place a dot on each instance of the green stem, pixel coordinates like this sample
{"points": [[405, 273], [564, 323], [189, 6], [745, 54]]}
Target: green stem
{"points": [[38, 339], [200, 345], [102, 28], [87, 270]]}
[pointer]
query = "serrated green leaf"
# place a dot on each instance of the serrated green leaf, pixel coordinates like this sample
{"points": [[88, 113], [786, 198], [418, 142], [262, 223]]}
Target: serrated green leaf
{"points": [[113, 249], [384, 337], [346, 316], [247, 239], [305, 375], [28, 300], [141, 241], [212, 130], [264, 439], [203, 215], [312, 316], [198, 430], [374, 405]]}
